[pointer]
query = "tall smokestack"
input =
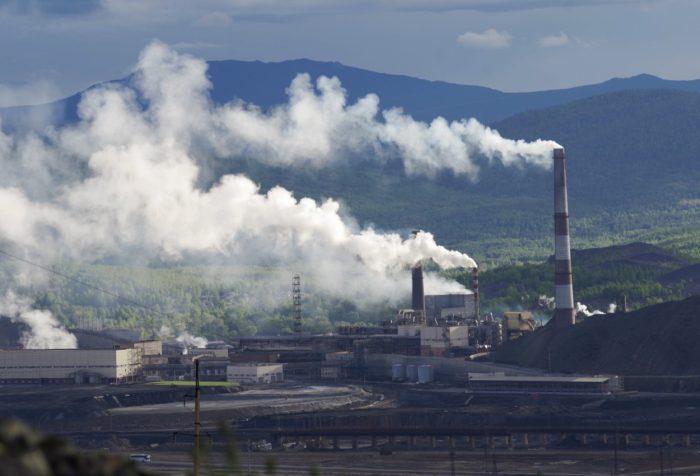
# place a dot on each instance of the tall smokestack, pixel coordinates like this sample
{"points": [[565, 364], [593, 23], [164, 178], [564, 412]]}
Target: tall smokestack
{"points": [[418, 294], [475, 288], [564, 313]]}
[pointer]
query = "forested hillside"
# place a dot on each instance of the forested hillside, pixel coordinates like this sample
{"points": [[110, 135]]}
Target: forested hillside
{"points": [[644, 273], [217, 302], [224, 302]]}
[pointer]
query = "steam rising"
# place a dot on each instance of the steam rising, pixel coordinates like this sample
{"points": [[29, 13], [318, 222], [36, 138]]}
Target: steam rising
{"points": [[45, 332], [187, 340], [317, 126], [139, 196], [583, 309]]}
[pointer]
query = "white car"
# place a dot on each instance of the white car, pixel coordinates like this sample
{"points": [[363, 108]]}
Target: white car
{"points": [[141, 457]]}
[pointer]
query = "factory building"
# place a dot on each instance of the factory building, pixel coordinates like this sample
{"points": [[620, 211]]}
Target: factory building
{"points": [[450, 307], [255, 373], [438, 340], [518, 323], [32, 366], [150, 347]]}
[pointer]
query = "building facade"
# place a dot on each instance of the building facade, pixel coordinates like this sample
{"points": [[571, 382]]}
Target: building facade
{"points": [[255, 373], [32, 366]]}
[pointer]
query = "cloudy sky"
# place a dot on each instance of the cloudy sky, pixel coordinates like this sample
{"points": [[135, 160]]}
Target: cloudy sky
{"points": [[50, 48]]}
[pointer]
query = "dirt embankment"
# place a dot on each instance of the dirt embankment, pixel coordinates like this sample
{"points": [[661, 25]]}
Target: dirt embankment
{"points": [[659, 340]]}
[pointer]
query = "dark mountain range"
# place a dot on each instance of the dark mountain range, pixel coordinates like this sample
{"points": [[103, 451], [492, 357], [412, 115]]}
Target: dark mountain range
{"points": [[265, 83]]}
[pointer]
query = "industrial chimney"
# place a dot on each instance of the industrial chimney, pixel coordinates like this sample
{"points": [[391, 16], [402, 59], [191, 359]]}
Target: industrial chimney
{"points": [[564, 313], [475, 289], [621, 304], [418, 293]]}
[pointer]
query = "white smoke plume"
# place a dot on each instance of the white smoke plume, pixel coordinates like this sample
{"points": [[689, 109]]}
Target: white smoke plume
{"points": [[45, 332], [317, 126], [546, 302], [583, 309], [134, 190], [188, 341]]}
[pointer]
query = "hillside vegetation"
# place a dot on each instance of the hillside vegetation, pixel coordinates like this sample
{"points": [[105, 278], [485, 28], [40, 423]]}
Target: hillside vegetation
{"points": [[225, 302], [644, 273]]}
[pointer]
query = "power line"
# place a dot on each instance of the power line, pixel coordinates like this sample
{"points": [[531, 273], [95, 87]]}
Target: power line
{"points": [[83, 283]]}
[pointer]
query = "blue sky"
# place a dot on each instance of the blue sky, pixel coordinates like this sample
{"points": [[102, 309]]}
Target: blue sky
{"points": [[55, 47]]}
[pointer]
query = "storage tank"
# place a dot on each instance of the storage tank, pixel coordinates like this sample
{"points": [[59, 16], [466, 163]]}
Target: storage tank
{"points": [[398, 372], [411, 373], [425, 374]]}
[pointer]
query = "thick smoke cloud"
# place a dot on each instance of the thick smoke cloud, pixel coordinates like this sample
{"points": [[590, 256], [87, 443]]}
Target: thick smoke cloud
{"points": [[123, 181]]}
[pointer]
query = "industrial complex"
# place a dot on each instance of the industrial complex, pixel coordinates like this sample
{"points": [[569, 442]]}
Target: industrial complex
{"points": [[422, 381], [440, 338]]}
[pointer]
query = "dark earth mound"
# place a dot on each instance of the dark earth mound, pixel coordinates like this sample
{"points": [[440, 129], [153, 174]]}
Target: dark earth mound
{"points": [[655, 340]]}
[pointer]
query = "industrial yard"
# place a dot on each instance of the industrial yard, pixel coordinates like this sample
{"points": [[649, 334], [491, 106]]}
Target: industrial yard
{"points": [[441, 388]]}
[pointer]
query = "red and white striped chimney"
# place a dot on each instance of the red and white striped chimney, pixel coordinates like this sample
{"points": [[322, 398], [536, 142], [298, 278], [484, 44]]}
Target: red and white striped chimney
{"points": [[564, 313]]}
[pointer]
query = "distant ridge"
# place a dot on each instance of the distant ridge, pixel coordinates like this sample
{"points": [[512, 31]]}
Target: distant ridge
{"points": [[264, 83]]}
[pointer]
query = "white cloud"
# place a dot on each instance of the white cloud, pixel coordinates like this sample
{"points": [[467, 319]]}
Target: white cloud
{"points": [[491, 39], [36, 92], [554, 41]]}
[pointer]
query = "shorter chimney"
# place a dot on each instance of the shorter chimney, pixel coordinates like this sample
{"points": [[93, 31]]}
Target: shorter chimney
{"points": [[475, 289], [418, 293]]}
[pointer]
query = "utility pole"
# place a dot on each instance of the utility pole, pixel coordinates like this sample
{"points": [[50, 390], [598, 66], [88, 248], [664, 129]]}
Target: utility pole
{"points": [[197, 420]]}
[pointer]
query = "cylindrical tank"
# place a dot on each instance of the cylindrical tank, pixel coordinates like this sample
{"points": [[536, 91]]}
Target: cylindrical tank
{"points": [[425, 374], [398, 372], [411, 373]]}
